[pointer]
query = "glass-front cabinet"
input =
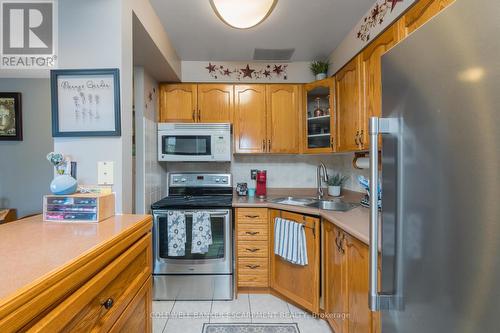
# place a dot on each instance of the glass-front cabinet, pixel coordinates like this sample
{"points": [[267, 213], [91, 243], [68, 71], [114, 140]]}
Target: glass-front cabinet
{"points": [[319, 97]]}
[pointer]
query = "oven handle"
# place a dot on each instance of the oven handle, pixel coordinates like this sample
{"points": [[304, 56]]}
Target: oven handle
{"points": [[216, 213]]}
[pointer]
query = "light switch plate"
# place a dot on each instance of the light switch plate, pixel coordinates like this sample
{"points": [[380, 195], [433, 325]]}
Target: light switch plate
{"points": [[105, 173]]}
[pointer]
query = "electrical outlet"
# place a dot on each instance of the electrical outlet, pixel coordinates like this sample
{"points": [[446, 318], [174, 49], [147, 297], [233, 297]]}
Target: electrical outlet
{"points": [[105, 173], [253, 173]]}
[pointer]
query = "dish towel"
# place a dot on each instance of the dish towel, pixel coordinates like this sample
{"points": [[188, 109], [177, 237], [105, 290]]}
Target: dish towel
{"points": [[176, 228], [290, 241], [202, 232]]}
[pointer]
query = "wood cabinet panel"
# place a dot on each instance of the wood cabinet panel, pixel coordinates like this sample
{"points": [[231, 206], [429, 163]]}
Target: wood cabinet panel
{"points": [[215, 103], [178, 102], [98, 304], [137, 315], [420, 13], [253, 266], [283, 122], [252, 215], [252, 232], [250, 118], [335, 279], [253, 249], [298, 283], [360, 316], [348, 106], [371, 68]]}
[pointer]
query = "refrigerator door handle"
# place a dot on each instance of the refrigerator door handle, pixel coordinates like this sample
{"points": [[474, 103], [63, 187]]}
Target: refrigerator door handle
{"points": [[378, 301]]}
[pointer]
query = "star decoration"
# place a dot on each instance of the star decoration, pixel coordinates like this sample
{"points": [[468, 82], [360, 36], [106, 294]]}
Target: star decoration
{"points": [[150, 96], [266, 73], [247, 72], [227, 72], [210, 67], [277, 69], [394, 3]]}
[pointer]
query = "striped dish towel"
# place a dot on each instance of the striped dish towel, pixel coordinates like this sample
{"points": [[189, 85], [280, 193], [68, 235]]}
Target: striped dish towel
{"points": [[290, 241]]}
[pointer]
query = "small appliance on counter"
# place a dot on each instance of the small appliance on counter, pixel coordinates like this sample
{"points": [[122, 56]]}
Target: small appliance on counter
{"points": [[242, 189], [261, 191]]}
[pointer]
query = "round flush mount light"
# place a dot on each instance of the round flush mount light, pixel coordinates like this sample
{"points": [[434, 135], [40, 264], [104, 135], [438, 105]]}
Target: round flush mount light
{"points": [[243, 14]]}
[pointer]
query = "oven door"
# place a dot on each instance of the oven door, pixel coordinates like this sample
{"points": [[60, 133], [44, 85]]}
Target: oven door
{"points": [[178, 146], [218, 259]]}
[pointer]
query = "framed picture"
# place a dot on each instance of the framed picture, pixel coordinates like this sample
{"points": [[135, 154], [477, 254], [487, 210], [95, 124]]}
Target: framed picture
{"points": [[85, 102], [11, 124]]}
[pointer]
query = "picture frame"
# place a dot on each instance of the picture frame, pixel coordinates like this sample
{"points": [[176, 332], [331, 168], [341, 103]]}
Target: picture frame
{"points": [[85, 102], [11, 122]]}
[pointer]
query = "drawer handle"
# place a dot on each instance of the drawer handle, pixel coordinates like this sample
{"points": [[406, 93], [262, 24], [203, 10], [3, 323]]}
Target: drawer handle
{"points": [[108, 304], [253, 250], [252, 216], [253, 266], [253, 233]]}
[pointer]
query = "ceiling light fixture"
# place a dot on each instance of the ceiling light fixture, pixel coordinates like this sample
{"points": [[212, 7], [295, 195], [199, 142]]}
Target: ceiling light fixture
{"points": [[243, 14]]}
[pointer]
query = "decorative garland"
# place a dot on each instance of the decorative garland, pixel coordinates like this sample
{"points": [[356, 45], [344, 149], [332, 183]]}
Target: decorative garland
{"points": [[375, 18], [257, 72]]}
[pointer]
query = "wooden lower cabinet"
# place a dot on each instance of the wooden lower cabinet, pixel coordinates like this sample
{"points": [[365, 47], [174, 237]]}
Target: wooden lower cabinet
{"points": [[252, 248], [115, 298], [346, 283], [299, 284]]}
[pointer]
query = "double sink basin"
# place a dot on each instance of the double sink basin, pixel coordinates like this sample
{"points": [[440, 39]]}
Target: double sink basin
{"points": [[335, 204]]}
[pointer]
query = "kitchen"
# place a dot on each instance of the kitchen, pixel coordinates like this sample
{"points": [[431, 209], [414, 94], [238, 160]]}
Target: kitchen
{"points": [[231, 184]]}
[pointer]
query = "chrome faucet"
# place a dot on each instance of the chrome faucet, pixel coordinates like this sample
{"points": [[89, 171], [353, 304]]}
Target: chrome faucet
{"points": [[319, 178]]}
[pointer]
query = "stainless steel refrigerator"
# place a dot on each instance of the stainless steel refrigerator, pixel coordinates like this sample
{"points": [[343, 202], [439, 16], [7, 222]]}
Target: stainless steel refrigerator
{"points": [[440, 219]]}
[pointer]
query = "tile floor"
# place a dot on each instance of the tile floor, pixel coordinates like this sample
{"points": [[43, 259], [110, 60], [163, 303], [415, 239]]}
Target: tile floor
{"points": [[188, 316]]}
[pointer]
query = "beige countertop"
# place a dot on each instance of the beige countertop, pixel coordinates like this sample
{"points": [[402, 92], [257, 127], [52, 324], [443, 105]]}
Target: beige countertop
{"points": [[32, 249], [355, 221]]}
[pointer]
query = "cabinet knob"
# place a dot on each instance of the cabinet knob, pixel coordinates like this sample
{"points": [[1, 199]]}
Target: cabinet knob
{"points": [[252, 250], [253, 266], [356, 138], [194, 113], [108, 304], [199, 115], [361, 138], [269, 145], [253, 233], [252, 216]]}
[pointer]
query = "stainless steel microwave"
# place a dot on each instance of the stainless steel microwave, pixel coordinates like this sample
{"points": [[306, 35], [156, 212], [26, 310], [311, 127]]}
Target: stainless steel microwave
{"points": [[198, 142]]}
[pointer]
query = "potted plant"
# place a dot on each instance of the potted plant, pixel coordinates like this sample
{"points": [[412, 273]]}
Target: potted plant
{"points": [[335, 183], [319, 69]]}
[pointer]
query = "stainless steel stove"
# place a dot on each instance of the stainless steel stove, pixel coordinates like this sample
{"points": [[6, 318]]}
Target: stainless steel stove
{"points": [[194, 276]]}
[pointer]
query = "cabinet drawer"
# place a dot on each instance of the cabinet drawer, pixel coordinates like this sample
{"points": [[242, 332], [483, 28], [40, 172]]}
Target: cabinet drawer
{"points": [[252, 232], [260, 281], [253, 266], [99, 302], [253, 249], [252, 215]]}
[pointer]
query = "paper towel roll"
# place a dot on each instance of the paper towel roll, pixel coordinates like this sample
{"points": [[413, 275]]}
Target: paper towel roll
{"points": [[362, 163]]}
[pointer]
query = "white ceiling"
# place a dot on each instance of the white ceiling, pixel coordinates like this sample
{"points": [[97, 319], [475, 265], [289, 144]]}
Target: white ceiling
{"points": [[313, 27]]}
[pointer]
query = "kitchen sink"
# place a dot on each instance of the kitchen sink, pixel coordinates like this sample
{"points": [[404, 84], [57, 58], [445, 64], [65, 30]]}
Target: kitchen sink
{"points": [[336, 205], [294, 201]]}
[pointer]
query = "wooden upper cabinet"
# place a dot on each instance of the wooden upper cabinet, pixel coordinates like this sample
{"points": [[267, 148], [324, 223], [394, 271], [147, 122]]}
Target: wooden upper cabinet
{"points": [[215, 103], [319, 116], [420, 13], [250, 118], [371, 67], [178, 102], [283, 122], [348, 106]]}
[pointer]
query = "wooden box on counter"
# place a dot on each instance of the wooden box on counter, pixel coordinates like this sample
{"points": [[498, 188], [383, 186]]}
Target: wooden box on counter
{"points": [[81, 207]]}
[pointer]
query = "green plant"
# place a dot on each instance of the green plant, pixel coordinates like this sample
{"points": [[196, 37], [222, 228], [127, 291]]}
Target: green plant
{"points": [[318, 67], [337, 180]]}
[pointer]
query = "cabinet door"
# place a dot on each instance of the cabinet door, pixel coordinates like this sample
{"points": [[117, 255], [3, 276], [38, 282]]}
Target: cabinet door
{"points": [[319, 116], [371, 68], [360, 316], [178, 103], [250, 118], [421, 12], [298, 283], [215, 103], [335, 278], [283, 130], [348, 106]]}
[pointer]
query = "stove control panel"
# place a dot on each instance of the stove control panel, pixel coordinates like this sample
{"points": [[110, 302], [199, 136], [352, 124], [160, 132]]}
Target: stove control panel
{"points": [[199, 180]]}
